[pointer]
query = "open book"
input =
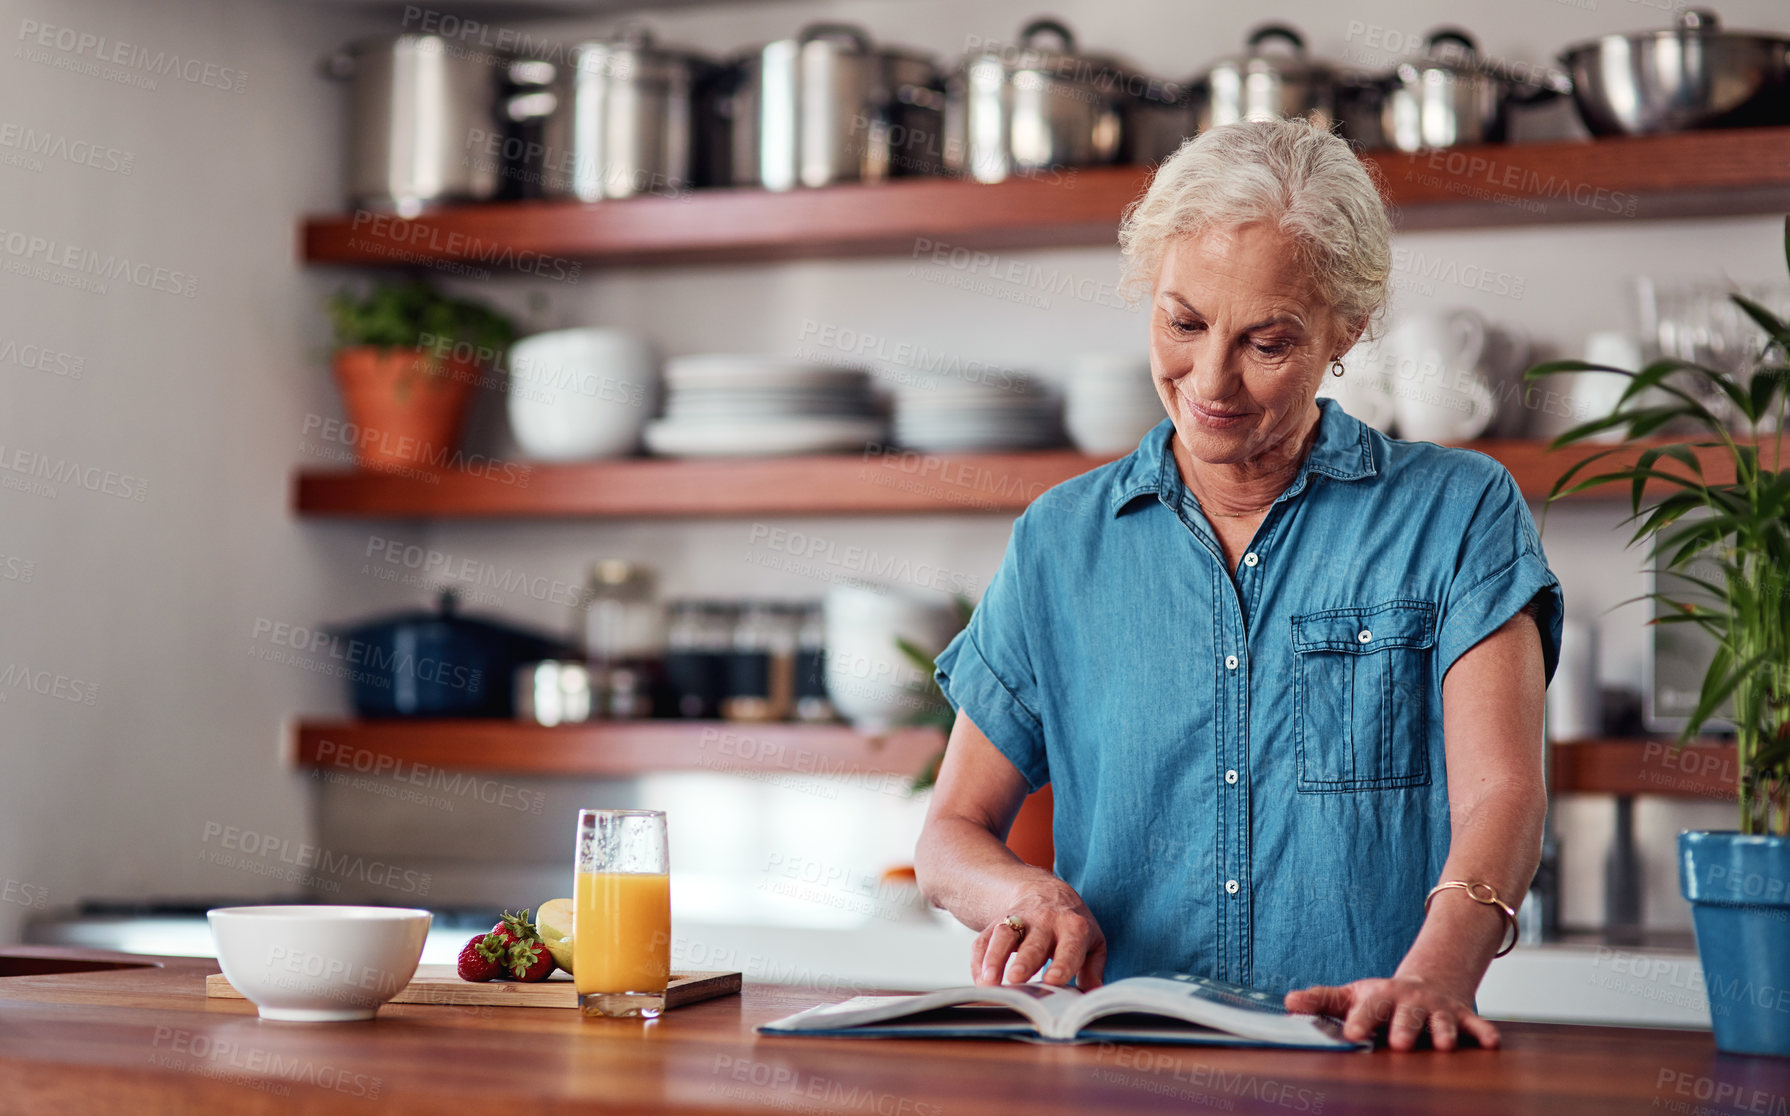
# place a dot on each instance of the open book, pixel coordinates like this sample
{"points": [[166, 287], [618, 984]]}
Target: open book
{"points": [[1167, 1007]]}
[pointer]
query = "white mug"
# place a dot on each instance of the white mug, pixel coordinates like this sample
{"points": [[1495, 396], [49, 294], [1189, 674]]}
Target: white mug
{"points": [[1568, 399], [576, 394], [1440, 391]]}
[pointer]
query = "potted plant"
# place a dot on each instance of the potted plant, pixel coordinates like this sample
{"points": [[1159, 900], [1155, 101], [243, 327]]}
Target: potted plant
{"points": [[406, 359], [1732, 541]]}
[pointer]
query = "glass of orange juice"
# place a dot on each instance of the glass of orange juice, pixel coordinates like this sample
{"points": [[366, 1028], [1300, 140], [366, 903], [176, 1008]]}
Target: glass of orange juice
{"points": [[621, 921]]}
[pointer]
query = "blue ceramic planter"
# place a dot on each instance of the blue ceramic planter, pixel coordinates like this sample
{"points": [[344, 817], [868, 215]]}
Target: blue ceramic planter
{"points": [[1739, 889]]}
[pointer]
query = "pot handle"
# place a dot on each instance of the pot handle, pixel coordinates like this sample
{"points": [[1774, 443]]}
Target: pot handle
{"points": [[338, 66], [1276, 31], [632, 33], [1699, 19], [1443, 36], [1047, 25], [847, 32], [530, 71]]}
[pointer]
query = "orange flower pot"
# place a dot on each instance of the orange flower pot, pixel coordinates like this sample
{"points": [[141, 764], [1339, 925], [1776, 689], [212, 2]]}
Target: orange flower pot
{"points": [[406, 409], [1030, 838]]}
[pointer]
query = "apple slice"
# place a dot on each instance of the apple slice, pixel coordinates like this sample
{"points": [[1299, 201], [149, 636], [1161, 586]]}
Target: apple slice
{"points": [[554, 921]]}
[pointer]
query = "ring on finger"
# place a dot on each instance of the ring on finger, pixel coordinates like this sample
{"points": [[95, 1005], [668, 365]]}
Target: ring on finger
{"points": [[1016, 924]]}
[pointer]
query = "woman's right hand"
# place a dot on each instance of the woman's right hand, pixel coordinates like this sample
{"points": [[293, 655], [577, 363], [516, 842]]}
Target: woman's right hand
{"points": [[1059, 929]]}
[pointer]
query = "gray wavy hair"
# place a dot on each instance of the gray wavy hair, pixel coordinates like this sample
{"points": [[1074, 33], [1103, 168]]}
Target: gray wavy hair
{"points": [[1292, 174]]}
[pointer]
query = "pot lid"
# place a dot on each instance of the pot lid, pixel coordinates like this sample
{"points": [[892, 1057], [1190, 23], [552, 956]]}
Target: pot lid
{"points": [[845, 38], [1451, 51], [1033, 51], [632, 52], [1274, 48], [446, 612], [1693, 23]]}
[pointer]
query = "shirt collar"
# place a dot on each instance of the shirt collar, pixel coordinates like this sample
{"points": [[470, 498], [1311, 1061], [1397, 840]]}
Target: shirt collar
{"points": [[1344, 450]]}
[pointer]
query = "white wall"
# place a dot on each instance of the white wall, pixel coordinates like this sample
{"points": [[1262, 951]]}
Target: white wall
{"points": [[148, 606]]}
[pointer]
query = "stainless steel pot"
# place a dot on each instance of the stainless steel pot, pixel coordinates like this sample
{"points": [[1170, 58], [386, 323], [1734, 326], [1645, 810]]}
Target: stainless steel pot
{"points": [[614, 119], [1452, 96], [1032, 110], [421, 106], [1694, 75], [1267, 85], [828, 106]]}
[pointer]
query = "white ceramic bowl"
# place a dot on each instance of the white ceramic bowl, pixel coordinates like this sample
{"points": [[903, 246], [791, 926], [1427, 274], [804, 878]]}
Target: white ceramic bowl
{"points": [[869, 681], [577, 394], [321, 964]]}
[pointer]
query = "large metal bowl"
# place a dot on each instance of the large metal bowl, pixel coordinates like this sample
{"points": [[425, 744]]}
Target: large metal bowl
{"points": [[1694, 75]]}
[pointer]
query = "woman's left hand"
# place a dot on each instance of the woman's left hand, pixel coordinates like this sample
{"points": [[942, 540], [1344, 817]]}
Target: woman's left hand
{"points": [[1403, 1006]]}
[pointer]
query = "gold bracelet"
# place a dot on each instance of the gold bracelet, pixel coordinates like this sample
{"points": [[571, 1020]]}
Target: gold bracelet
{"points": [[1481, 892]]}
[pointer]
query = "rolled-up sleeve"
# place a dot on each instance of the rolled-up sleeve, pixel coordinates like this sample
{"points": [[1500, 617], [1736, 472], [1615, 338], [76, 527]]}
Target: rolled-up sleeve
{"points": [[1501, 568], [986, 672]]}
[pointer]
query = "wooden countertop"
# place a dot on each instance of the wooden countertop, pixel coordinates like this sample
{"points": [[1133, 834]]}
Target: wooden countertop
{"points": [[146, 1041]]}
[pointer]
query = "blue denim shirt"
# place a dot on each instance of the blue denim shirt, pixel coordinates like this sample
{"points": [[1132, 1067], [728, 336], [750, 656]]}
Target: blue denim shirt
{"points": [[1248, 769]]}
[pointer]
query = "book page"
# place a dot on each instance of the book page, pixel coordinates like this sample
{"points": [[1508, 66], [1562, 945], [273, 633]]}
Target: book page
{"points": [[1245, 1012], [1037, 1003]]}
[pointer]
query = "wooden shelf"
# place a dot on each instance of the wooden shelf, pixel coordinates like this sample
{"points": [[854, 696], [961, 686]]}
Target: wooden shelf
{"points": [[856, 484], [621, 749], [1715, 173], [1702, 769], [611, 749]]}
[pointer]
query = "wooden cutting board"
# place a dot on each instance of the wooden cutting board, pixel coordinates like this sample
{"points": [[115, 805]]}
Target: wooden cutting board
{"points": [[439, 984]]}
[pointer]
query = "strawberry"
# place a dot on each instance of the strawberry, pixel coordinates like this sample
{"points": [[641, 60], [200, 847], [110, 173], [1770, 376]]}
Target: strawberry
{"points": [[513, 928], [530, 961], [483, 958]]}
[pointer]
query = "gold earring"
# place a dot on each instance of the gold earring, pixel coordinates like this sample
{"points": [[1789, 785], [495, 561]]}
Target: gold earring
{"points": [[1336, 368]]}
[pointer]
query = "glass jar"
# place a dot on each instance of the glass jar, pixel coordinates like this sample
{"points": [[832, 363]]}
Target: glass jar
{"points": [[698, 645], [761, 669], [623, 625], [812, 703]]}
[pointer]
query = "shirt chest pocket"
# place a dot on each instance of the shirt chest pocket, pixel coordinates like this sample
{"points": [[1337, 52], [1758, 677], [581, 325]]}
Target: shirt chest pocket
{"points": [[1361, 691]]}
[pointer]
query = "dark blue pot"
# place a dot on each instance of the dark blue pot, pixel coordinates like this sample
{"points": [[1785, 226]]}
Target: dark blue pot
{"points": [[1739, 889]]}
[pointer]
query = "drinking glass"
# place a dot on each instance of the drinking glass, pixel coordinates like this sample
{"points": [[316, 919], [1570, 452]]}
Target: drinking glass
{"points": [[621, 925]]}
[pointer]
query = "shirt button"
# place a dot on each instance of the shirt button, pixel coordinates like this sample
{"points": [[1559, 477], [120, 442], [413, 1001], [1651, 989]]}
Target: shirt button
{"points": [[1230, 662], [1365, 635], [1250, 559], [1230, 887], [1230, 777]]}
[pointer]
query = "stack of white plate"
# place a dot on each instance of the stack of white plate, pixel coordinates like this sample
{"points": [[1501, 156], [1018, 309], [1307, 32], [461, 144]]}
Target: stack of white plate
{"points": [[726, 405], [1111, 403], [952, 414]]}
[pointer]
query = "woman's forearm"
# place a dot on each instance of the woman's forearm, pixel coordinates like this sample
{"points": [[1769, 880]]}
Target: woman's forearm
{"points": [[1497, 842], [966, 869]]}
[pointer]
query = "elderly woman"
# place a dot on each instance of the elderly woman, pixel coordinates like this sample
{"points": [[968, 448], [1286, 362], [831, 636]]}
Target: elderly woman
{"points": [[1284, 674]]}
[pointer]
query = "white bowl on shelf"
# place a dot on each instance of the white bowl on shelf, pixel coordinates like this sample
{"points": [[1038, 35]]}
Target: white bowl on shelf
{"points": [[580, 394], [870, 682], [318, 964]]}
